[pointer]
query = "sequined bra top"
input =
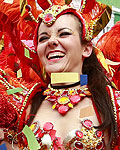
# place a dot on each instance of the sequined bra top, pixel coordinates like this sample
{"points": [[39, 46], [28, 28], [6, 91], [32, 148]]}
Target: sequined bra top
{"points": [[79, 139]]}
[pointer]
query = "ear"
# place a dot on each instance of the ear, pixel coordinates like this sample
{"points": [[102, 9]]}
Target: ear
{"points": [[87, 50]]}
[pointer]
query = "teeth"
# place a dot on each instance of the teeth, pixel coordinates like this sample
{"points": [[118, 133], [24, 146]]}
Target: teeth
{"points": [[55, 55]]}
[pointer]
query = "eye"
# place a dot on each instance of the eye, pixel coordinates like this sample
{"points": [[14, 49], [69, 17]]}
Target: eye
{"points": [[64, 34], [43, 38]]}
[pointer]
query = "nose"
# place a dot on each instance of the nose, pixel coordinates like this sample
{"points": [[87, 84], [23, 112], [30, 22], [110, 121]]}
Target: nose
{"points": [[52, 42]]}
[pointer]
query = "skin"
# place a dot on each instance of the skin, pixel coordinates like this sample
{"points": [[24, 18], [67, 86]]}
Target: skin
{"points": [[62, 38]]}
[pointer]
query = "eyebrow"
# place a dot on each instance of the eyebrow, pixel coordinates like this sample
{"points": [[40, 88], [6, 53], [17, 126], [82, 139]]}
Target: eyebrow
{"points": [[58, 31], [64, 28], [43, 33]]}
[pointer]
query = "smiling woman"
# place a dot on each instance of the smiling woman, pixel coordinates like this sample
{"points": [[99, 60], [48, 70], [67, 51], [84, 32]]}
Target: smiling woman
{"points": [[85, 107], [55, 49]]}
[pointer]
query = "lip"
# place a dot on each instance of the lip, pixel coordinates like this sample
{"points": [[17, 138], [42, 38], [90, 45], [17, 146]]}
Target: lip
{"points": [[55, 59]]}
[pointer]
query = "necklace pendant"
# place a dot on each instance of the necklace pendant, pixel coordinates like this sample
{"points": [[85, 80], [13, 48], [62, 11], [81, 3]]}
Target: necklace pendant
{"points": [[65, 99]]}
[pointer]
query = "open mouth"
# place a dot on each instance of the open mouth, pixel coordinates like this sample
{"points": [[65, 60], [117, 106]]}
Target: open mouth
{"points": [[55, 55]]}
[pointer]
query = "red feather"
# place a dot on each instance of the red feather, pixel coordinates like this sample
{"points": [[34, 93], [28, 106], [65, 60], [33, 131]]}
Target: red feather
{"points": [[89, 5], [109, 44], [43, 4]]}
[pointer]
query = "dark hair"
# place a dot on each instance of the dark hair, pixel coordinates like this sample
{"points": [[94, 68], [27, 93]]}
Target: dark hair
{"points": [[97, 83]]}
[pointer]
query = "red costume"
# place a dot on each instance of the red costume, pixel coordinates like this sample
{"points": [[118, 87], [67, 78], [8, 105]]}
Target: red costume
{"points": [[16, 93]]}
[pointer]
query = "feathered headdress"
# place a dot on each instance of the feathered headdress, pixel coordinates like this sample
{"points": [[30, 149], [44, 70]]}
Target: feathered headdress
{"points": [[93, 15]]}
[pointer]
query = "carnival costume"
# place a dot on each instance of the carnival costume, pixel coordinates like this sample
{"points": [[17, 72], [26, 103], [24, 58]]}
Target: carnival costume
{"points": [[16, 93]]}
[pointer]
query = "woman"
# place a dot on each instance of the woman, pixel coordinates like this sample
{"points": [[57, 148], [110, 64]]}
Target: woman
{"points": [[63, 44]]}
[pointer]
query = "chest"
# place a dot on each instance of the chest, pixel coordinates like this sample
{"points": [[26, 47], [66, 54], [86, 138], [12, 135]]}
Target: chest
{"points": [[70, 121]]}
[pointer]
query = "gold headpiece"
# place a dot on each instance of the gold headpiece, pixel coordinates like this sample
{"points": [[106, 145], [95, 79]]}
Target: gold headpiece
{"points": [[49, 15], [93, 15]]}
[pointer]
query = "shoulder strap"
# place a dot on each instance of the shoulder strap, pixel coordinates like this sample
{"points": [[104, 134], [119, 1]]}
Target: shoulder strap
{"points": [[113, 100]]}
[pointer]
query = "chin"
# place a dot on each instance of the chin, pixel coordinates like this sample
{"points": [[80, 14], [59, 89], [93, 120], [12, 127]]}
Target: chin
{"points": [[54, 71]]}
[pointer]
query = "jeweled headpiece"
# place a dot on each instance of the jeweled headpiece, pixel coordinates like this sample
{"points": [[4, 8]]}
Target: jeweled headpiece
{"points": [[93, 15]]}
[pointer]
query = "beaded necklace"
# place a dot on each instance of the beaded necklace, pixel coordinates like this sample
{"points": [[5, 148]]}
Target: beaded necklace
{"points": [[65, 99]]}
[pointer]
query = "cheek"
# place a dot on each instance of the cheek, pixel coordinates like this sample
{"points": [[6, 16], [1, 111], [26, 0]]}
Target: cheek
{"points": [[40, 50], [71, 44], [41, 54], [66, 44]]}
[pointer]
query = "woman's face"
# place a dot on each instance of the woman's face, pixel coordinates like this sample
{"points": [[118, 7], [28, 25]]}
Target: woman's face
{"points": [[59, 46]]}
